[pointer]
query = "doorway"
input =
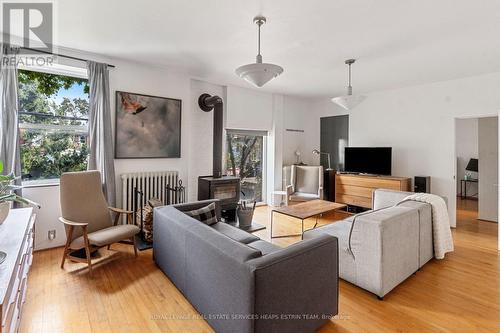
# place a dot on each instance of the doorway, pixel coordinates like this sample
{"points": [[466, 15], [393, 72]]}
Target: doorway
{"points": [[476, 151], [246, 153]]}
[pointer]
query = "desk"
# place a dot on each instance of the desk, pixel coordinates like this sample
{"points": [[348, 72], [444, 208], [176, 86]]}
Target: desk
{"points": [[463, 187]]}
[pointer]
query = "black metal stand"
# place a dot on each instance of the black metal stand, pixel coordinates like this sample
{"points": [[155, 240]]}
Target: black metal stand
{"points": [[463, 187], [140, 240], [136, 202], [175, 195], [172, 195]]}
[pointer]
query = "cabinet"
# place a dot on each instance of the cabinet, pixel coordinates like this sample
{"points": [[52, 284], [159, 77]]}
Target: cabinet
{"points": [[17, 240], [357, 190]]}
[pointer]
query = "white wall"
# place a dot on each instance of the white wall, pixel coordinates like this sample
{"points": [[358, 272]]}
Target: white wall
{"points": [[488, 168], [249, 109], [466, 143], [47, 216], [275, 152], [298, 114], [418, 122], [201, 135], [157, 82]]}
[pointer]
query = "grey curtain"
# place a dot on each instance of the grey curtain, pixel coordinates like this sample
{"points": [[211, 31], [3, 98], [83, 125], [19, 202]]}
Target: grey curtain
{"points": [[9, 107], [101, 155]]}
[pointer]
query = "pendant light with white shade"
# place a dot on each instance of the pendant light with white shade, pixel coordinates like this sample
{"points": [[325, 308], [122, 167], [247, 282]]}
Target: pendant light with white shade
{"points": [[348, 101], [259, 73]]}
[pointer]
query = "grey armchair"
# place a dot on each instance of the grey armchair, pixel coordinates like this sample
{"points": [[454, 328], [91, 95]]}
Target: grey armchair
{"points": [[87, 217], [306, 183]]}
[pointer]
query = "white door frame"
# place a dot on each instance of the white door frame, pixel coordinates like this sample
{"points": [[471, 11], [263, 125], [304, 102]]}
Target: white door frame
{"points": [[455, 159]]}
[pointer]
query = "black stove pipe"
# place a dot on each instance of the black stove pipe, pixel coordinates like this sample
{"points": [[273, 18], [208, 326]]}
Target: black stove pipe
{"points": [[208, 103]]}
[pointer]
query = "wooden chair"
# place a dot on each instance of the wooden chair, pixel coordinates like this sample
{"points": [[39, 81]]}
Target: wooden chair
{"points": [[87, 217]]}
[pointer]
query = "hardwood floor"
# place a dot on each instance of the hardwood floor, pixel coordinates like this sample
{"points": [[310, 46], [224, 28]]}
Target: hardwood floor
{"points": [[458, 294]]}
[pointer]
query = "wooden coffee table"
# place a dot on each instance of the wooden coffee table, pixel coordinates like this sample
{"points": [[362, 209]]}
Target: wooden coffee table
{"points": [[304, 211]]}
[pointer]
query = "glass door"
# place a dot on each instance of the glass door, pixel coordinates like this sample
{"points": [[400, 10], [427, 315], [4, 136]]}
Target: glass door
{"points": [[245, 158]]}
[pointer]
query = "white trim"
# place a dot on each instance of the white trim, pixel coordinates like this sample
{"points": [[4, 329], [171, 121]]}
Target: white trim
{"points": [[264, 135], [40, 183], [80, 130], [58, 69], [454, 155], [69, 129], [264, 169]]}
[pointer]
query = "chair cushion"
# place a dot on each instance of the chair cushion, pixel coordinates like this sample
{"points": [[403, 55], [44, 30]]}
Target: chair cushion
{"points": [[264, 247], [301, 196], [106, 236], [204, 214], [234, 233], [307, 179]]}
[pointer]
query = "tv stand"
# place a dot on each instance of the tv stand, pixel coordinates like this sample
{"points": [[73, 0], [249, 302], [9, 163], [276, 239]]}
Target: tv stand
{"points": [[357, 189]]}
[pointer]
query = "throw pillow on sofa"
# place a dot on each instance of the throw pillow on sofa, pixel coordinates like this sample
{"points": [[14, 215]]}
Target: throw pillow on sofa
{"points": [[204, 214]]}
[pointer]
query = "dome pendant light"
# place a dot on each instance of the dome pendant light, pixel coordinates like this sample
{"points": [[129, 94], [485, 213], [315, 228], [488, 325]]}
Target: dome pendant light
{"points": [[259, 73], [349, 101]]}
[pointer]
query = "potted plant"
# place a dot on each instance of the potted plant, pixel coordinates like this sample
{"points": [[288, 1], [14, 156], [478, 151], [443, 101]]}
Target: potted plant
{"points": [[7, 195]]}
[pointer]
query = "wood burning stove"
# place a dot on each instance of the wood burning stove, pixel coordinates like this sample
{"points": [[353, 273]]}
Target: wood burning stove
{"points": [[226, 189], [217, 186]]}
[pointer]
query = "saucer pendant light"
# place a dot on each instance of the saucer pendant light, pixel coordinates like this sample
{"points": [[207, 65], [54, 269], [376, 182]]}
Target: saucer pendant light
{"points": [[259, 73], [348, 101]]}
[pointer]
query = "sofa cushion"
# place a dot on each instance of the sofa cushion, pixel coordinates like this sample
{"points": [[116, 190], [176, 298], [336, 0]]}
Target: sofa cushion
{"points": [[218, 280], [234, 233], [204, 214], [183, 207], [264, 247]]}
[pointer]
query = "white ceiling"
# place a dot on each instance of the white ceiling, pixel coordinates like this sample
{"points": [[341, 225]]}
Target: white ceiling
{"points": [[397, 43]]}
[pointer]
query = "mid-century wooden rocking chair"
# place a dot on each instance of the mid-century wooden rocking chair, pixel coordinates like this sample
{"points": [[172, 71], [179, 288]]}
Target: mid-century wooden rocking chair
{"points": [[87, 219]]}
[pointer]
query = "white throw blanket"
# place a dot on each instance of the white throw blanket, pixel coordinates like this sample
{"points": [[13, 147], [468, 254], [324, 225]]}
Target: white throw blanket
{"points": [[441, 232]]}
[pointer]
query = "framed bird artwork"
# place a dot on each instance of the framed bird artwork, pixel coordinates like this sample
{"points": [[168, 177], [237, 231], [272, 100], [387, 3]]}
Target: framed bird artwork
{"points": [[147, 126]]}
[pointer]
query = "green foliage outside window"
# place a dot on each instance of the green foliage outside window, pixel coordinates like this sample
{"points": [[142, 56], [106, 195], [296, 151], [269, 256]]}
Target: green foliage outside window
{"points": [[245, 155], [53, 124]]}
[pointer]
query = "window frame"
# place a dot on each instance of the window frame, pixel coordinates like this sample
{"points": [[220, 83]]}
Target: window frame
{"points": [[54, 69], [264, 135]]}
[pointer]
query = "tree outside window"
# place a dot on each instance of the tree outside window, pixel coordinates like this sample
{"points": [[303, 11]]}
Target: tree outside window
{"points": [[53, 123], [244, 159]]}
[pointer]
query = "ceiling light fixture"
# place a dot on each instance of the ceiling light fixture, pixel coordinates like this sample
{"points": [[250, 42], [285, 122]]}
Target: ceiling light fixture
{"points": [[349, 101], [259, 73]]}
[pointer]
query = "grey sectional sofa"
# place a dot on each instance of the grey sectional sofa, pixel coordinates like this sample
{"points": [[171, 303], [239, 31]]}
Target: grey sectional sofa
{"points": [[385, 246], [241, 283]]}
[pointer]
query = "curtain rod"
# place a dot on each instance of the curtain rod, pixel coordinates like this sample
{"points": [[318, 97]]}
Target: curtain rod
{"points": [[59, 55]]}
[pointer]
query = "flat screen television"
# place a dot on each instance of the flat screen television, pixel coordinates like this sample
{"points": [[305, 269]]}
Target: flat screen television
{"points": [[371, 160]]}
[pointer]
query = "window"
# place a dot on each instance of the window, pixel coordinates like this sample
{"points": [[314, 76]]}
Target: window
{"points": [[245, 159], [53, 123]]}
